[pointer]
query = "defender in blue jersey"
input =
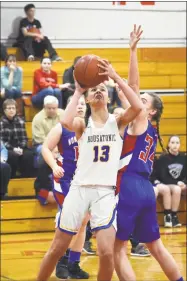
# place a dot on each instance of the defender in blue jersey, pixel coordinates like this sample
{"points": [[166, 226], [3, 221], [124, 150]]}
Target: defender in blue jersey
{"points": [[63, 171], [136, 210]]}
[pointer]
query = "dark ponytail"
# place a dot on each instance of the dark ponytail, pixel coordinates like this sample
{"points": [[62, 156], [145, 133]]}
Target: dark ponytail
{"points": [[158, 105], [88, 111]]}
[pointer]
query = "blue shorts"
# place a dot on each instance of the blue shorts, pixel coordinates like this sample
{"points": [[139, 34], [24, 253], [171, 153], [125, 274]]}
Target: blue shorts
{"points": [[136, 210], [60, 190]]}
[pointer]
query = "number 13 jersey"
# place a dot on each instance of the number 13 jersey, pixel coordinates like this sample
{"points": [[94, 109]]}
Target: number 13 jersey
{"points": [[99, 154]]}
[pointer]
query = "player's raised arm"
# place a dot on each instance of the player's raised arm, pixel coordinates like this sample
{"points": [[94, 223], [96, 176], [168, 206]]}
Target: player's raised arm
{"points": [[136, 105], [70, 121], [133, 76]]}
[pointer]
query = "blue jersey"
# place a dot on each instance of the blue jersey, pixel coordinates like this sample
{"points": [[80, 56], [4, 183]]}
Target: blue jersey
{"points": [[68, 148], [138, 152]]}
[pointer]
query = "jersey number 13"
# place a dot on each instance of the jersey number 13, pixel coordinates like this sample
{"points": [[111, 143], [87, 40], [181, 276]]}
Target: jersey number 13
{"points": [[101, 153]]}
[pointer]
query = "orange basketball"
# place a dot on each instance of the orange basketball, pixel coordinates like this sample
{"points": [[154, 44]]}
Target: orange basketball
{"points": [[86, 72], [34, 30]]}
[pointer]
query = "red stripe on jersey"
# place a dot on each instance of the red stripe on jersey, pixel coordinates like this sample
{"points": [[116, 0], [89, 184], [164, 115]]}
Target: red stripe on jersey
{"points": [[128, 144], [59, 198], [119, 177]]}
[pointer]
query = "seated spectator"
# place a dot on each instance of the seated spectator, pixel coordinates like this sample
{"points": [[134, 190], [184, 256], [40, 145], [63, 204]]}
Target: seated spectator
{"points": [[46, 84], [31, 40], [44, 181], [169, 178], [11, 81], [14, 137], [3, 52], [112, 93], [69, 78], [5, 171], [44, 121]]}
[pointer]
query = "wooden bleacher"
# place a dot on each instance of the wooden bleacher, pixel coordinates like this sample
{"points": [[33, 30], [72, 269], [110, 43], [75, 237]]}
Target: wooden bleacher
{"points": [[160, 68]]}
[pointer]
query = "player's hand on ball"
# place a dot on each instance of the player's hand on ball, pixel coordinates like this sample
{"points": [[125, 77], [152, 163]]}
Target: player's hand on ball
{"points": [[135, 36], [78, 88], [107, 69], [58, 172]]}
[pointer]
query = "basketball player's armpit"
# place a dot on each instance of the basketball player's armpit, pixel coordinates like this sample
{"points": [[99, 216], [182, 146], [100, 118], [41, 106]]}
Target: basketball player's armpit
{"points": [[129, 115]]}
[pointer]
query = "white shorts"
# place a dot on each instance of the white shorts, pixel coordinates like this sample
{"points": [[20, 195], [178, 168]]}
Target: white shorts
{"points": [[99, 201]]}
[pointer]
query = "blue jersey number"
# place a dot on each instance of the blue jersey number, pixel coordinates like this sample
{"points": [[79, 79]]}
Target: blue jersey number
{"points": [[104, 156]]}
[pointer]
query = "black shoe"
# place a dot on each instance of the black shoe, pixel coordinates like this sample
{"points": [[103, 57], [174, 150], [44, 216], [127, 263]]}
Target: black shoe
{"points": [[140, 251], [75, 272], [88, 248], [62, 268], [175, 222], [167, 220]]}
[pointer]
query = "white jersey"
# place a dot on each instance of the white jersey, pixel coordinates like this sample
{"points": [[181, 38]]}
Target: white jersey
{"points": [[99, 154]]}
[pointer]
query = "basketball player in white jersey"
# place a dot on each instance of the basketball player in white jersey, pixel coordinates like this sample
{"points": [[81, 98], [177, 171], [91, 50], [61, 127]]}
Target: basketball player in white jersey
{"points": [[92, 188]]}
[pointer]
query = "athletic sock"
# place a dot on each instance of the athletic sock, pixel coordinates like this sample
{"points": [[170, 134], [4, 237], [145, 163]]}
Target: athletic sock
{"points": [[180, 279], [173, 214], [167, 212], [74, 257], [134, 242]]}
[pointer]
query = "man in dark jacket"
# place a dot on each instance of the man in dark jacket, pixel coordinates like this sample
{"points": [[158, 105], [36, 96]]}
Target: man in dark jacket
{"points": [[68, 78]]}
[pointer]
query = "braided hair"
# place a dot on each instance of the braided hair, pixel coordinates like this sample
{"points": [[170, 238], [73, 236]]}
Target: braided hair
{"points": [[158, 105]]}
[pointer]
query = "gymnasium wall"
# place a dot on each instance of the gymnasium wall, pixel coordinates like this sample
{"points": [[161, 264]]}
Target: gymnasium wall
{"points": [[101, 24]]}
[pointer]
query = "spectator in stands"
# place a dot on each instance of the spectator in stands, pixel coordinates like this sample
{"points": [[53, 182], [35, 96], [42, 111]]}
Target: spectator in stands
{"points": [[14, 136], [11, 81], [112, 92], [44, 121], [3, 52], [31, 40], [169, 177], [44, 182], [5, 171], [45, 84], [69, 78]]}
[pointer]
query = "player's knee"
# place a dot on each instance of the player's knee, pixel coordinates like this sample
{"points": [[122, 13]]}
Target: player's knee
{"points": [[105, 253], [176, 190]]}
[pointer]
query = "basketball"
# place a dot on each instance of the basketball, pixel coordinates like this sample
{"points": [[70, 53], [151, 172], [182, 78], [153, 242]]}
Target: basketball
{"points": [[86, 72]]}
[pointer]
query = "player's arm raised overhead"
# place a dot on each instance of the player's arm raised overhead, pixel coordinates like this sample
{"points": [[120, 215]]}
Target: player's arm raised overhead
{"points": [[136, 105], [133, 76], [70, 121]]}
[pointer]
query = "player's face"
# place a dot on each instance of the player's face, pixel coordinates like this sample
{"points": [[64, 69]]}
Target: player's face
{"points": [[148, 104], [118, 112], [98, 95], [81, 107], [174, 144], [51, 109], [46, 64]]}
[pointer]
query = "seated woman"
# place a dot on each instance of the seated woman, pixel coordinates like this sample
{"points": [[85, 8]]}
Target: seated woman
{"points": [[5, 171], [45, 84], [169, 178], [14, 136], [11, 81]]}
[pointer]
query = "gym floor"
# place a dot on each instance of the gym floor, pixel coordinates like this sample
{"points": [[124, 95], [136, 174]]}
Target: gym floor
{"points": [[21, 255]]}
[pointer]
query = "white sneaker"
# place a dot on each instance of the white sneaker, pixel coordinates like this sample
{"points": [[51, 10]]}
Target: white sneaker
{"points": [[30, 58], [167, 221]]}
